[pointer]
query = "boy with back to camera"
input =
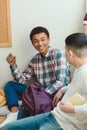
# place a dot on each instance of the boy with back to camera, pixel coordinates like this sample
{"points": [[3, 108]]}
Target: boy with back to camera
{"points": [[49, 66], [63, 116]]}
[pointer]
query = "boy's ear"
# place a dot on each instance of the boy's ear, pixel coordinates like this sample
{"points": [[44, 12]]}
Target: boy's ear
{"points": [[71, 53], [49, 39]]}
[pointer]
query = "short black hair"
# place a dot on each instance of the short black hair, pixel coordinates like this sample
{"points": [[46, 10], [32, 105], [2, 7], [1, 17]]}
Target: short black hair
{"points": [[76, 40], [37, 30]]}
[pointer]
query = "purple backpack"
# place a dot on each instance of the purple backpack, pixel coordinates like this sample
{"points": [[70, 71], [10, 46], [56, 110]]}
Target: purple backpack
{"points": [[36, 100]]}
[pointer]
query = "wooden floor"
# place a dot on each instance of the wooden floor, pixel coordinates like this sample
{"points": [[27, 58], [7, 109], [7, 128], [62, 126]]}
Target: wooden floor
{"points": [[2, 118]]}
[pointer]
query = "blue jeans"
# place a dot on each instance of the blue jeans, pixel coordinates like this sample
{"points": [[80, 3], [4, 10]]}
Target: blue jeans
{"points": [[22, 113], [44, 121], [13, 91]]}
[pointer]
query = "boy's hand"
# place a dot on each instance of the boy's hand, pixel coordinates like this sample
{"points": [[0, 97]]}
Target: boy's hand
{"points": [[57, 97], [11, 60], [66, 107]]}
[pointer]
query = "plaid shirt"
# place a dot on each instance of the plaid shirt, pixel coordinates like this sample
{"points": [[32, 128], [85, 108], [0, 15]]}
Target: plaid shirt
{"points": [[52, 71]]}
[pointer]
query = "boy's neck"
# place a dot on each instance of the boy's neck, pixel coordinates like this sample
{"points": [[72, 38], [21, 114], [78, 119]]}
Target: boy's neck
{"points": [[80, 62]]}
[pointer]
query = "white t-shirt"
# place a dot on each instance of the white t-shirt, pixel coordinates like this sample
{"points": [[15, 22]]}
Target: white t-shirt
{"points": [[79, 84]]}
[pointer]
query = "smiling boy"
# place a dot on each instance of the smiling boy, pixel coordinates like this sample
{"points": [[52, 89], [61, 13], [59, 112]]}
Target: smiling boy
{"points": [[49, 66]]}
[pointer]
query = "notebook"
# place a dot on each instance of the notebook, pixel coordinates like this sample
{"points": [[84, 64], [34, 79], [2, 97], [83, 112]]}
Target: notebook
{"points": [[77, 99]]}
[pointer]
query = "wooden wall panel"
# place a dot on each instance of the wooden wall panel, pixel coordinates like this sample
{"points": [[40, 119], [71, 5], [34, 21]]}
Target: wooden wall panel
{"points": [[5, 26]]}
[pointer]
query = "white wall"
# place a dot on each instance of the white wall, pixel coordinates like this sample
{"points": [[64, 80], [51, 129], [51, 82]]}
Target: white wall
{"points": [[61, 17], [86, 5]]}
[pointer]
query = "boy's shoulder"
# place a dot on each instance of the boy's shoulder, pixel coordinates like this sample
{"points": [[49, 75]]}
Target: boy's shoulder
{"points": [[56, 50], [82, 71]]}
